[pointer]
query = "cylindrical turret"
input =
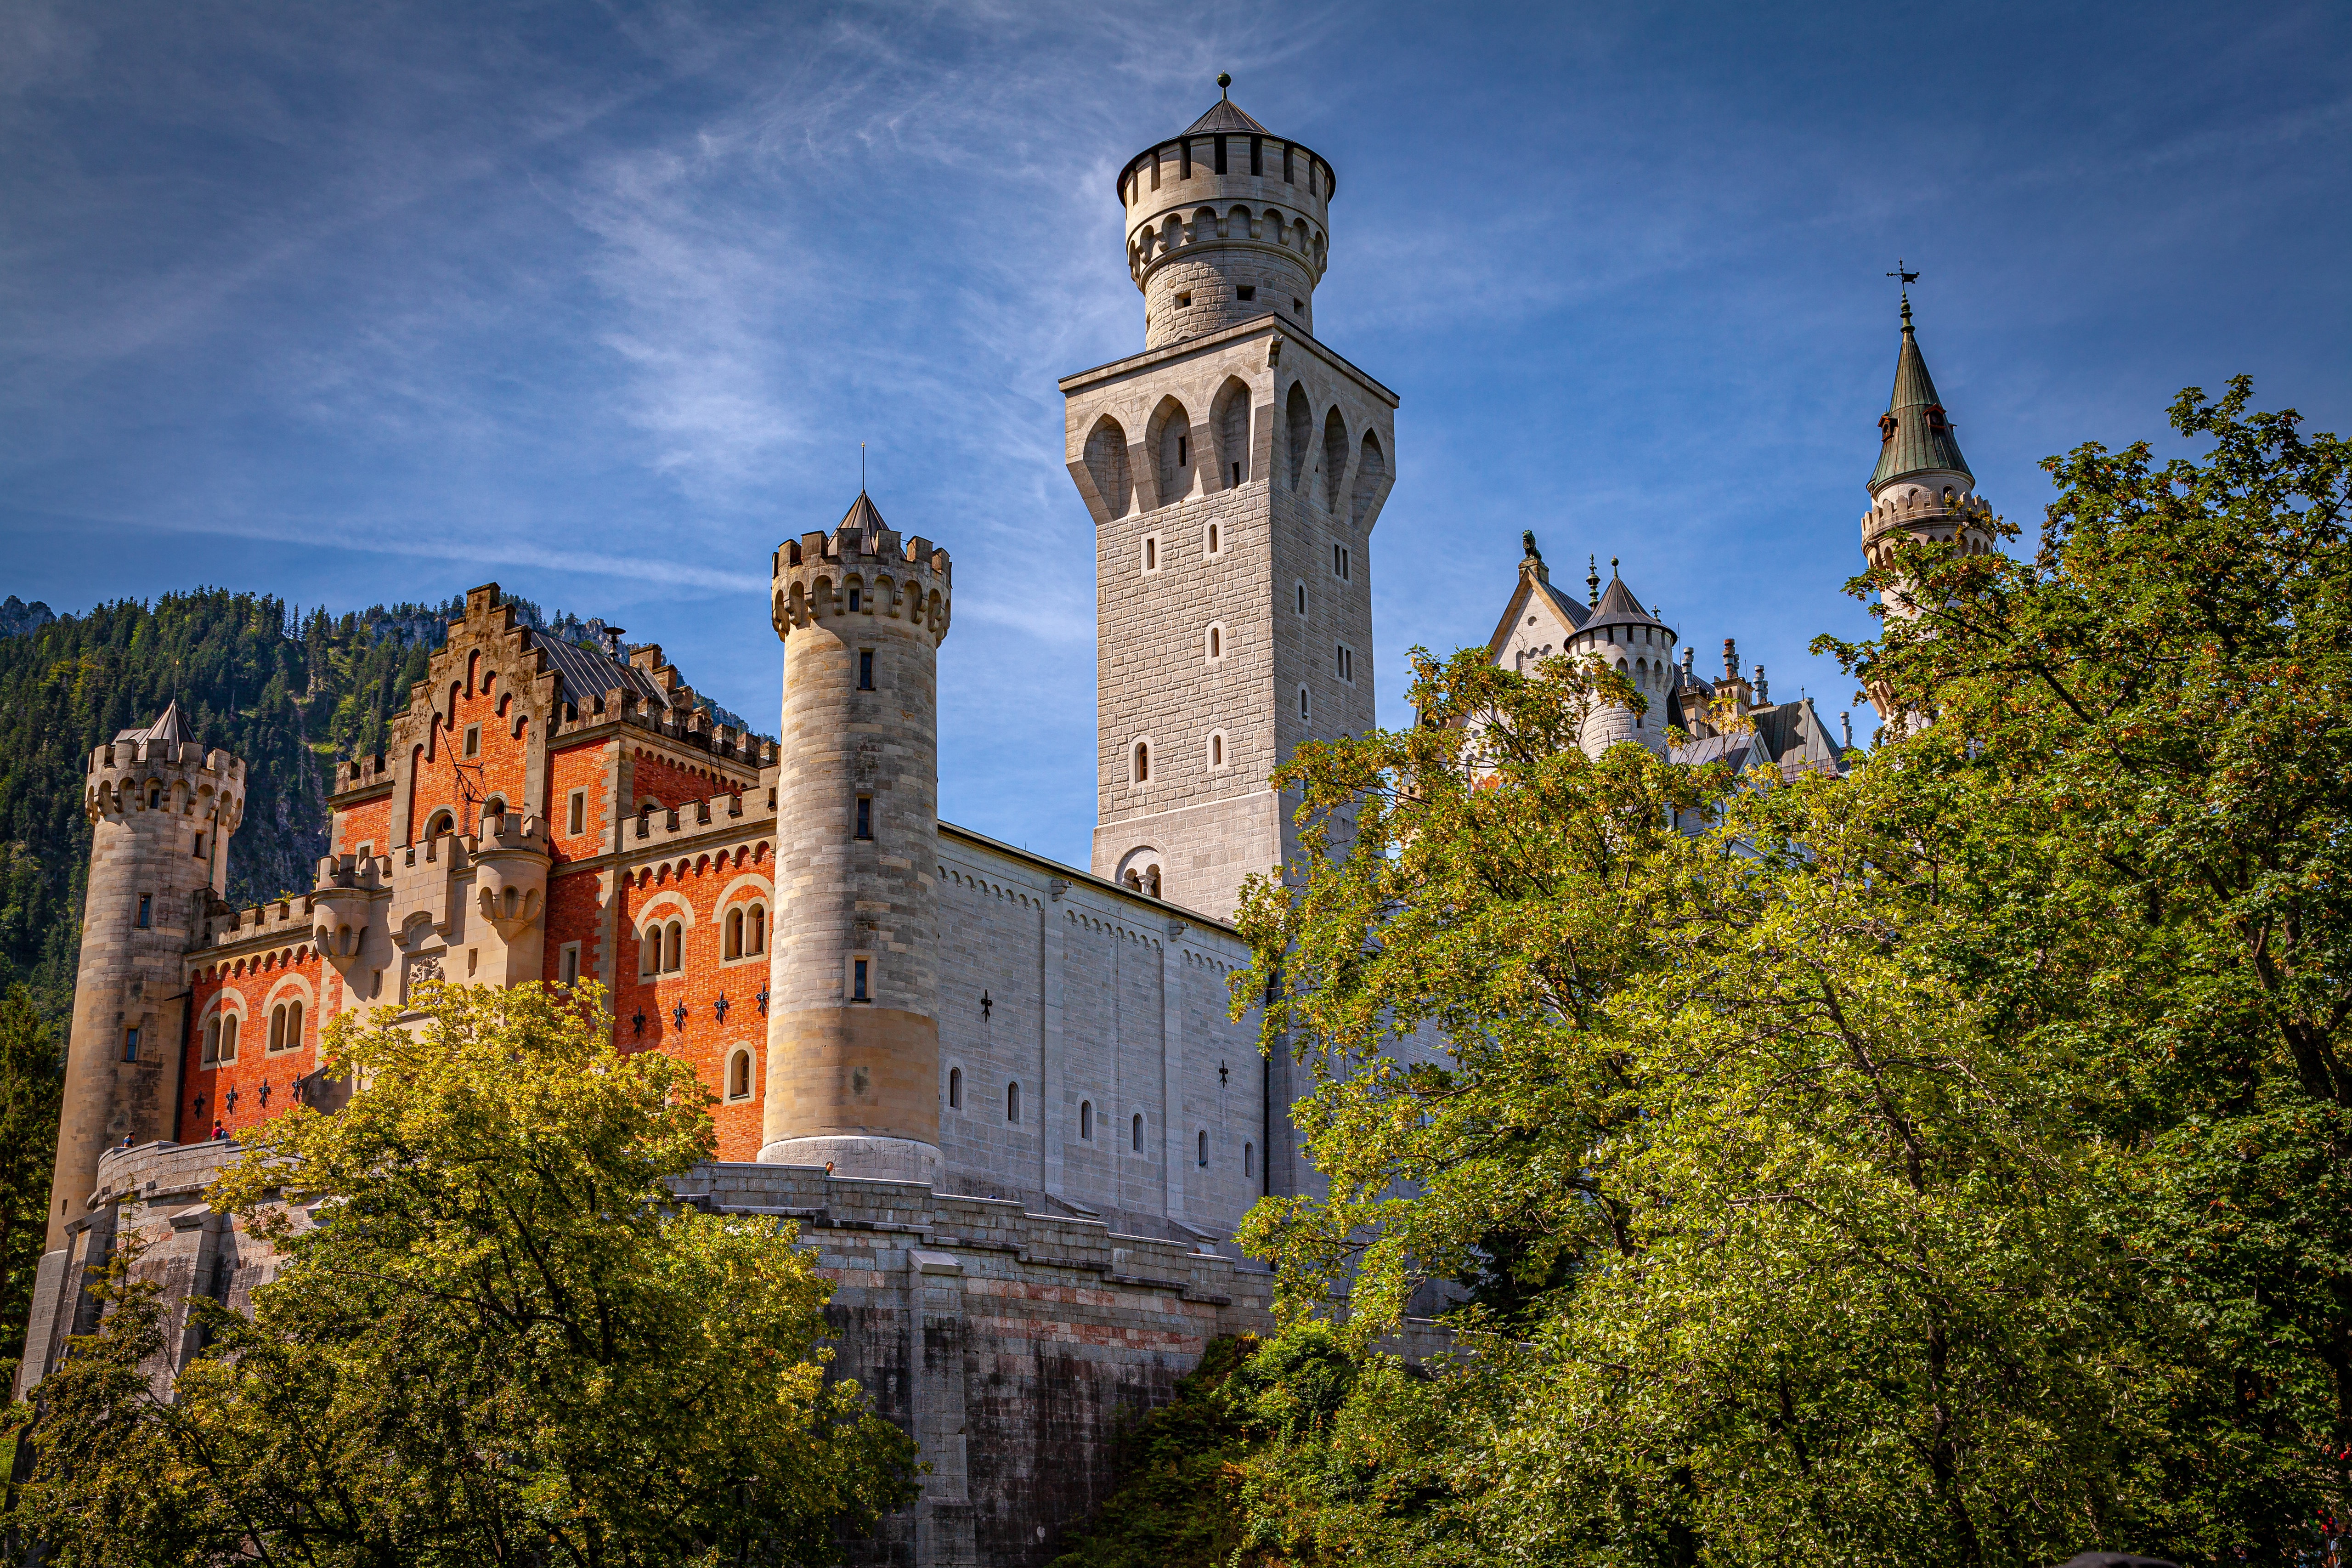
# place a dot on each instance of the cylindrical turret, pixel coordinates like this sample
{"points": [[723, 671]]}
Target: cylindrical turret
{"points": [[161, 809], [1640, 647], [1225, 222], [853, 1013]]}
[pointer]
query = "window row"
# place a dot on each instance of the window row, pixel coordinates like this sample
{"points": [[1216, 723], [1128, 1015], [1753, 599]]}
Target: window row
{"points": [[1139, 758], [1088, 1123], [221, 1031], [661, 947], [1213, 540]]}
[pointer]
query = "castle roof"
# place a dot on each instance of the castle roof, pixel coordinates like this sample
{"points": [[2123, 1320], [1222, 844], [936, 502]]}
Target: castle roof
{"points": [[1916, 434], [583, 674], [1223, 116], [1619, 607], [170, 725], [862, 516]]}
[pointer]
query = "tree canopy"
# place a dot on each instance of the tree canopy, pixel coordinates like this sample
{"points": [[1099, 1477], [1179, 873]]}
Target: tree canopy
{"points": [[500, 1341], [1945, 1162]]}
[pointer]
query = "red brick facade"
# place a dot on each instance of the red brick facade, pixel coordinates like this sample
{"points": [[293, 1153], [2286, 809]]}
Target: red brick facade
{"points": [[497, 721]]}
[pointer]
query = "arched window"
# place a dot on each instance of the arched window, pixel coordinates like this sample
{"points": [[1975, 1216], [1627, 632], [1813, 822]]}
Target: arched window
{"points": [[212, 1040], [1249, 1159], [649, 950], [1138, 1133], [1087, 1120], [1142, 762], [757, 941], [955, 1089], [739, 1076], [155, 796], [1217, 750], [1013, 1102], [735, 934], [1204, 1149], [228, 1022], [674, 947], [1216, 642]]}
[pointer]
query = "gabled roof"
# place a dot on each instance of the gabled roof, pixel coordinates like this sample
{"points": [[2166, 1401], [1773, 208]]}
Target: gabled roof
{"points": [[583, 674], [1223, 116], [1619, 607], [1916, 434]]}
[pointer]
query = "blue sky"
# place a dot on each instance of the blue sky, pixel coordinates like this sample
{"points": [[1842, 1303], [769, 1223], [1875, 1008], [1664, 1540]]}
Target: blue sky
{"points": [[377, 302]]}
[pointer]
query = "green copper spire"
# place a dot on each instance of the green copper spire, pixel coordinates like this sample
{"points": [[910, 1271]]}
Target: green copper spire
{"points": [[1916, 435]]}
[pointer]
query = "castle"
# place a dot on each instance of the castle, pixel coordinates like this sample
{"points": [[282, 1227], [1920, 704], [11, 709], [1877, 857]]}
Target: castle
{"points": [[1003, 1097]]}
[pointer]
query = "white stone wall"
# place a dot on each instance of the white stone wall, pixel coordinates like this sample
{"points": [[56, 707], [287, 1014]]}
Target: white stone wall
{"points": [[1096, 997]]}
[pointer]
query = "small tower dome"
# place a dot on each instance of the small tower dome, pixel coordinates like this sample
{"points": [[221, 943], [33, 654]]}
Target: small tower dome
{"points": [[1225, 222]]}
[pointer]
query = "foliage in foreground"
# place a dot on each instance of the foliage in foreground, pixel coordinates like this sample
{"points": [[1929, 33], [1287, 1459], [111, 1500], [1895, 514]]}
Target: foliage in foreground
{"points": [[1946, 1163], [501, 1343]]}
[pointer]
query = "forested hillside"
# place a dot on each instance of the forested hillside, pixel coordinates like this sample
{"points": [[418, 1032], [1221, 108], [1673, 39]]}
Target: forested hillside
{"points": [[289, 691]]}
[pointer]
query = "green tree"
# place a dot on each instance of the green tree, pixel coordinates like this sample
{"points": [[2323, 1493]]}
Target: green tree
{"points": [[32, 1085], [501, 1341]]}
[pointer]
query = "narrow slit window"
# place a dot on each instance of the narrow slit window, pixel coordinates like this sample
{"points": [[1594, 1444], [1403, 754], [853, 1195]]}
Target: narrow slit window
{"points": [[1183, 450], [955, 1089], [1304, 712], [758, 940], [1203, 1155], [1142, 762], [1216, 751], [857, 979], [576, 814], [1249, 1159], [1302, 598], [674, 947], [865, 669], [1087, 1120], [130, 1045], [1215, 537], [865, 816], [1136, 1135], [1013, 1102], [146, 910], [200, 847], [473, 740], [857, 600], [568, 973]]}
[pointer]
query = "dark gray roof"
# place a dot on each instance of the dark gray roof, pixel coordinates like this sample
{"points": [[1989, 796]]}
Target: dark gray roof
{"points": [[1223, 116], [584, 674], [170, 725]]}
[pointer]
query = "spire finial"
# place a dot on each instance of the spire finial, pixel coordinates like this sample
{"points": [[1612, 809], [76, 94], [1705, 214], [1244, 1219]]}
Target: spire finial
{"points": [[861, 467], [1225, 80], [1593, 581], [1612, 568], [1905, 279]]}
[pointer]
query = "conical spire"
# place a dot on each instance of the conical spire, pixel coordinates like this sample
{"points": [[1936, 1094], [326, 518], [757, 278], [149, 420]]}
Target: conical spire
{"points": [[862, 517], [1915, 433], [170, 725]]}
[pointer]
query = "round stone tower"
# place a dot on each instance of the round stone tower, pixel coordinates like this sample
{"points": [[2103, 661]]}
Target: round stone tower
{"points": [[1640, 647], [853, 1014], [1225, 222], [161, 809]]}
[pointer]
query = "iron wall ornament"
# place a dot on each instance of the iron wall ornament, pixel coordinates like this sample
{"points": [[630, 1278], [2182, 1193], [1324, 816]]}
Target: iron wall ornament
{"points": [[1222, 1072], [677, 1016], [720, 1007], [640, 1022], [762, 1000], [265, 1092], [986, 1006]]}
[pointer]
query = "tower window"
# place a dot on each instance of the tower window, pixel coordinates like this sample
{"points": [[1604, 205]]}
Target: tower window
{"points": [[1184, 301], [1216, 642], [146, 910], [1286, 166], [567, 970], [1151, 553], [1142, 762], [734, 947], [1204, 1159], [955, 1089], [1183, 450], [1247, 292], [756, 938], [674, 947], [1249, 1159], [1217, 750], [1216, 536], [1339, 562], [1258, 155], [1304, 711], [129, 1045], [856, 599], [1087, 1120], [1013, 1102], [1221, 154], [865, 816], [1344, 661], [865, 669], [857, 980], [155, 796], [739, 1076], [1302, 598], [473, 740], [200, 847], [1299, 307], [1184, 159], [576, 812], [1136, 1135]]}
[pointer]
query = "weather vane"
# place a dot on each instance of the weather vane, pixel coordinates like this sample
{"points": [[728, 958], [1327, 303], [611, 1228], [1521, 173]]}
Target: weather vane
{"points": [[1903, 280]]}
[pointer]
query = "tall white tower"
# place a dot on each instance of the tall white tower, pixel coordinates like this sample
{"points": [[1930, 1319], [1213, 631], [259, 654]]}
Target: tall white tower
{"points": [[1234, 469]]}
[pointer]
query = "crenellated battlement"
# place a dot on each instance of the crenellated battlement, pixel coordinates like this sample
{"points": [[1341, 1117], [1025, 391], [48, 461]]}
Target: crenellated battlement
{"points": [[859, 570], [176, 776], [1928, 512], [363, 773]]}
